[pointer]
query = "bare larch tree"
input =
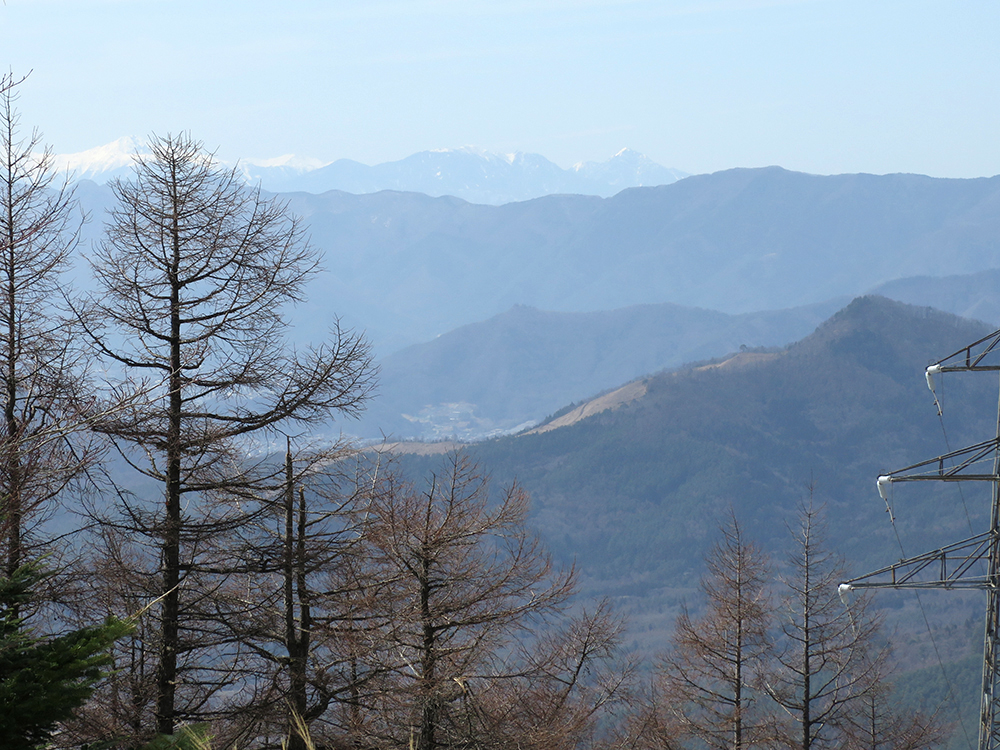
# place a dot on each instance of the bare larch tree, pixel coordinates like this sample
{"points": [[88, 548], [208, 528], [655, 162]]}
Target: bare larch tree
{"points": [[41, 375], [875, 724], [712, 674], [486, 655], [313, 602], [194, 271], [832, 657]]}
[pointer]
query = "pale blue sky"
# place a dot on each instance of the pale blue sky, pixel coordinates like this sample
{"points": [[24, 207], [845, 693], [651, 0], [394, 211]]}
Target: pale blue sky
{"points": [[818, 86]]}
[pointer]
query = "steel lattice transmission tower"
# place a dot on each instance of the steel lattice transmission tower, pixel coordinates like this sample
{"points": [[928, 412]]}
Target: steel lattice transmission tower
{"points": [[972, 563]]}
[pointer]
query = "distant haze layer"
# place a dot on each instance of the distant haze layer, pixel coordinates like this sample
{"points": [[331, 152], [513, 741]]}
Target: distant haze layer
{"points": [[406, 267]]}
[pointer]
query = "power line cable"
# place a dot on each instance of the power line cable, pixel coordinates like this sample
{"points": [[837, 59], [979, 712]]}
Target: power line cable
{"points": [[947, 444], [930, 634]]}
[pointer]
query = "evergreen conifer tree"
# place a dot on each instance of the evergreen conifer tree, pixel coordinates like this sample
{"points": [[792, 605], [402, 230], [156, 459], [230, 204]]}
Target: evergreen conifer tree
{"points": [[43, 679]]}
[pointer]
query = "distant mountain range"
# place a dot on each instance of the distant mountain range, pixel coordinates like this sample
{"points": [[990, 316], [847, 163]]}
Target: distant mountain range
{"points": [[515, 311], [472, 174], [408, 267], [975, 295], [102, 163], [508, 372]]}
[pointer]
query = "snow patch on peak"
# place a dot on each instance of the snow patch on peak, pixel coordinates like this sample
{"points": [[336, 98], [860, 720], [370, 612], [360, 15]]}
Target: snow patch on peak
{"points": [[481, 153], [115, 159], [471, 150]]}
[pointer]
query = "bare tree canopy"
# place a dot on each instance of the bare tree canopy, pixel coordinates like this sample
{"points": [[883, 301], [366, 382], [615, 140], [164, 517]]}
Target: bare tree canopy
{"points": [[831, 656], [484, 652], [785, 667], [193, 273], [42, 397]]}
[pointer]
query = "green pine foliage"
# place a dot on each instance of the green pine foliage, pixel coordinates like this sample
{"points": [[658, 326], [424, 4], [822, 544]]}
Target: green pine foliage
{"points": [[43, 679]]}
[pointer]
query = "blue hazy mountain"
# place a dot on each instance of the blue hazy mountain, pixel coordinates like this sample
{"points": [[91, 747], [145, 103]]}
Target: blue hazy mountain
{"points": [[406, 267], [409, 267], [973, 295], [514, 368]]}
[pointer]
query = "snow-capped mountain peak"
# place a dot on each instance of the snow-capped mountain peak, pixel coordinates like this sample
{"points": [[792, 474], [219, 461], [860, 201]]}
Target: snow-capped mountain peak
{"points": [[102, 162], [627, 168], [114, 159]]}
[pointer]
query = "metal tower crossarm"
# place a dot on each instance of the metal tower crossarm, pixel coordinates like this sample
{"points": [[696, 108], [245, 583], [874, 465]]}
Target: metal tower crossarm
{"points": [[950, 567], [963, 465], [975, 356]]}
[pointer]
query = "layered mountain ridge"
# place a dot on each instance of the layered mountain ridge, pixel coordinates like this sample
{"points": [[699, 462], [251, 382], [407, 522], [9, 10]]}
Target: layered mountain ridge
{"points": [[548, 289], [508, 372]]}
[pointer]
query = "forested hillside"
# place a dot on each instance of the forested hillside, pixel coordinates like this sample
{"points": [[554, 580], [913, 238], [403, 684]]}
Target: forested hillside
{"points": [[520, 366], [634, 495]]}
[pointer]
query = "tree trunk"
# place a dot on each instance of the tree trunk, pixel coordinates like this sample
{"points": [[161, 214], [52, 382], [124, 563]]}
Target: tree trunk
{"points": [[296, 628], [11, 455], [429, 706], [166, 682]]}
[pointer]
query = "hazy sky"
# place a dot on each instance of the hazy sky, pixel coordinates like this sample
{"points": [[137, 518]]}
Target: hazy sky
{"points": [[824, 86]]}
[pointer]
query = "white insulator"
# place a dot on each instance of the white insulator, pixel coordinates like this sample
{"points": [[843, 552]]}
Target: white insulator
{"points": [[883, 486], [843, 590], [930, 373]]}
